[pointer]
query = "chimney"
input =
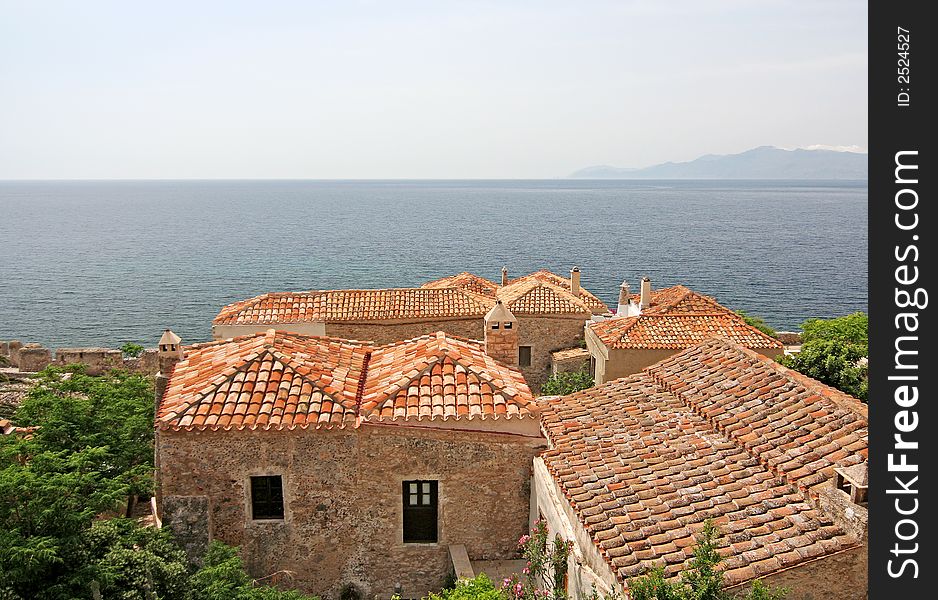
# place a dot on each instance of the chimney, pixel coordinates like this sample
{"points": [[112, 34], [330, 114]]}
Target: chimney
{"points": [[625, 300], [575, 281], [646, 293], [170, 352], [501, 335], [504, 276]]}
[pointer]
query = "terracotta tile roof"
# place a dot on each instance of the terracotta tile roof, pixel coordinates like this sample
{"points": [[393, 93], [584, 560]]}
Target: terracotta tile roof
{"points": [[797, 427], [594, 304], [534, 297], [643, 467], [443, 377], [675, 331], [355, 305], [468, 281], [680, 299], [460, 296], [278, 380]]}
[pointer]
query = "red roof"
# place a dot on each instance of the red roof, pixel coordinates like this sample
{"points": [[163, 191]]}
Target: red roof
{"points": [[355, 305], [716, 431], [670, 330], [278, 380]]}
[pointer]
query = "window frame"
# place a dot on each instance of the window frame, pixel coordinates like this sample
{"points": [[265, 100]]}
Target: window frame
{"points": [[253, 500], [426, 507], [530, 351]]}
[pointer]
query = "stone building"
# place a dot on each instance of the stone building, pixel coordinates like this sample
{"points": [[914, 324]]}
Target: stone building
{"points": [[550, 313], [776, 459], [653, 325], [342, 462]]}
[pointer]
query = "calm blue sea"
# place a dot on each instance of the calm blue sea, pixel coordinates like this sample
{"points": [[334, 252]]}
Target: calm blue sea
{"points": [[103, 263]]}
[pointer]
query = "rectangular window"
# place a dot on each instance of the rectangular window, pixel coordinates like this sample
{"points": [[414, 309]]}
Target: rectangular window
{"points": [[420, 512], [507, 324], [267, 497], [524, 356]]}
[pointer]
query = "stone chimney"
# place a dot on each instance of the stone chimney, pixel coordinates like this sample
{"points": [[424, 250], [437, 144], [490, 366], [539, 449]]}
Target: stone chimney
{"points": [[625, 300], [504, 276], [645, 301], [170, 352], [501, 335], [575, 281]]}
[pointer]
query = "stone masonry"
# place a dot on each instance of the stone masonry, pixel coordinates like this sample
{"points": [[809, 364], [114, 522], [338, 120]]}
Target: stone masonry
{"points": [[343, 506]]}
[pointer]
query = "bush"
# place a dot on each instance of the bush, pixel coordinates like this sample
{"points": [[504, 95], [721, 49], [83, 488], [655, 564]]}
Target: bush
{"points": [[833, 352], [479, 588], [132, 350], [562, 384], [701, 580]]}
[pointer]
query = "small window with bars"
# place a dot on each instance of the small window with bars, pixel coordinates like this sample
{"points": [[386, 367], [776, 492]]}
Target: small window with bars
{"points": [[267, 497], [421, 500]]}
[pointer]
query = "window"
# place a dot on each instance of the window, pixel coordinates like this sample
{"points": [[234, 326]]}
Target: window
{"points": [[495, 325], [507, 324], [420, 512], [267, 497], [524, 356]]}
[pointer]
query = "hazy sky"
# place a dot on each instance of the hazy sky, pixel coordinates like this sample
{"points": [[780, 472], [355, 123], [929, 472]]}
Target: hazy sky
{"points": [[434, 89]]}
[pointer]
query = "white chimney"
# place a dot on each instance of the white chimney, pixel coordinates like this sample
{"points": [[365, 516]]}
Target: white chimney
{"points": [[575, 281], [504, 276], [625, 300], [646, 293]]}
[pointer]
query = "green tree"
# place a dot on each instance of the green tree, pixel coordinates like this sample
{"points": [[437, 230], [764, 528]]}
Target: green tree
{"points": [[833, 351], [562, 384], [114, 412], [132, 350], [757, 322], [850, 329]]}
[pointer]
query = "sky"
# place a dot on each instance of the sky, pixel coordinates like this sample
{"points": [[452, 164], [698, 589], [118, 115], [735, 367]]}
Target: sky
{"points": [[435, 89]]}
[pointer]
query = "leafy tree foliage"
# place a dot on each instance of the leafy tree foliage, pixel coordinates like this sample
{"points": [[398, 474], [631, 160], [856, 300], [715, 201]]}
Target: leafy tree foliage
{"points": [[132, 350], [757, 322], [833, 351], [479, 588], [114, 413], [851, 329], [222, 577], [92, 447], [562, 384]]}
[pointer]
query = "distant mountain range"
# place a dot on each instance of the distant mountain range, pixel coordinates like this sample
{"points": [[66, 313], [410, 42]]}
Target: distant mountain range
{"points": [[765, 162]]}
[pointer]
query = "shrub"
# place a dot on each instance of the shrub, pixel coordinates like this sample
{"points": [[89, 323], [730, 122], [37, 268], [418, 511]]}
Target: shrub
{"points": [[562, 384], [132, 350]]}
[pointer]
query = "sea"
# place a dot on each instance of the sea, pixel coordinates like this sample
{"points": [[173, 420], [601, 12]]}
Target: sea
{"points": [[101, 263]]}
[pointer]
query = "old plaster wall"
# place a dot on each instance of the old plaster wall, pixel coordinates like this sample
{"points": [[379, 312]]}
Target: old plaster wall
{"points": [[343, 507]]}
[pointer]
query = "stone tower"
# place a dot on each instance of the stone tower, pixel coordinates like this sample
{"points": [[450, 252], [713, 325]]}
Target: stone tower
{"points": [[501, 335]]}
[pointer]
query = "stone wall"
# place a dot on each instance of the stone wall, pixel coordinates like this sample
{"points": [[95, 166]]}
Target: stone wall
{"points": [[571, 360], [386, 333], [343, 505], [841, 576], [546, 335], [31, 358]]}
